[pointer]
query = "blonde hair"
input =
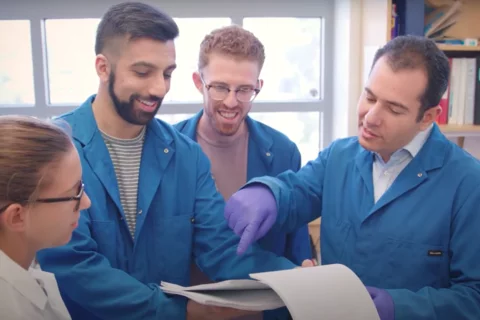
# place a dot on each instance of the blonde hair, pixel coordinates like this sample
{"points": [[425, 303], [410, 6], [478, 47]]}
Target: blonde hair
{"points": [[232, 41], [28, 147]]}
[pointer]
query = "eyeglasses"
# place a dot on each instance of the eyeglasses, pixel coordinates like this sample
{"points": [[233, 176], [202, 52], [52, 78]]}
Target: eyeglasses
{"points": [[77, 198], [220, 92]]}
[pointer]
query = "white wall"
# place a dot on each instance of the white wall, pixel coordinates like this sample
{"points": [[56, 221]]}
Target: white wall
{"points": [[360, 27]]}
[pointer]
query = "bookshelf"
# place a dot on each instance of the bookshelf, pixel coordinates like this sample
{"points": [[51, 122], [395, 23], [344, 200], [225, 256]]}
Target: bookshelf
{"points": [[451, 47], [411, 20]]}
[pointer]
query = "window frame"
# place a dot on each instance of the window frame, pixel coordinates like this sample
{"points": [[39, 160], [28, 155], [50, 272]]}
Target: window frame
{"points": [[37, 12]]}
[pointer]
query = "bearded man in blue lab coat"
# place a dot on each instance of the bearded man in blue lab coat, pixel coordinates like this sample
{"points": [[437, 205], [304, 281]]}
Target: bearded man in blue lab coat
{"points": [[238, 147], [154, 207], [399, 203]]}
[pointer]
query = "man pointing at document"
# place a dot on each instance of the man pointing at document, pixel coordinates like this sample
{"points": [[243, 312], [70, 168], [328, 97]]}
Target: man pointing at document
{"points": [[399, 203]]}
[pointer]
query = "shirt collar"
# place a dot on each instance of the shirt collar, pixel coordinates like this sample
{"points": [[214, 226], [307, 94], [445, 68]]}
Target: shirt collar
{"points": [[411, 149], [22, 281], [418, 141]]}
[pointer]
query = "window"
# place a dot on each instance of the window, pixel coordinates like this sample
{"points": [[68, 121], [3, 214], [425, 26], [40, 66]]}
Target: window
{"points": [[71, 59], [187, 46], [48, 63], [70, 47], [16, 66], [174, 118], [293, 53], [301, 127]]}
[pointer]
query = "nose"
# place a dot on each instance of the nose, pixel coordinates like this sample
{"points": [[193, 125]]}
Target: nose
{"points": [[85, 202], [231, 100], [158, 88], [373, 116]]}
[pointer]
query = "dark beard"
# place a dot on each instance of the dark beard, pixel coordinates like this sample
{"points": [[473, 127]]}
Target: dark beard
{"points": [[126, 109]]}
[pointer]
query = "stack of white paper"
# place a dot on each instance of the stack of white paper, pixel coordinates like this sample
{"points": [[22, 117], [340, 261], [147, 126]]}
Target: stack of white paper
{"points": [[239, 294], [331, 292]]}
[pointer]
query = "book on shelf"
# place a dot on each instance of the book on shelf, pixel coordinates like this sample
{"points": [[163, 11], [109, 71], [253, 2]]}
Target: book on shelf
{"points": [[439, 19], [461, 101]]}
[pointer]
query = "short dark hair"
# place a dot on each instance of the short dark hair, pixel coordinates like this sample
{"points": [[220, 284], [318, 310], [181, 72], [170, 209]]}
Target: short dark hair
{"points": [[135, 20], [415, 52]]}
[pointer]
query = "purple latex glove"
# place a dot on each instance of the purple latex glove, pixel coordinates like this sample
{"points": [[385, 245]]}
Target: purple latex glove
{"points": [[250, 213], [383, 302]]}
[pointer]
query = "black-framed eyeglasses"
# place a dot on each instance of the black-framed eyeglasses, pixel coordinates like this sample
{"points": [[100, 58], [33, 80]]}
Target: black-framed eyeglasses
{"points": [[220, 92], [77, 198]]}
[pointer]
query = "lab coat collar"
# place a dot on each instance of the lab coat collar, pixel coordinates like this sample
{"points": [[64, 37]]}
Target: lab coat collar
{"points": [[22, 280], [411, 149], [259, 147], [428, 146], [414, 146], [431, 156]]}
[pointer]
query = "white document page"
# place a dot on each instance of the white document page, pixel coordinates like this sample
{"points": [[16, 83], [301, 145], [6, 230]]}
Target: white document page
{"points": [[330, 292]]}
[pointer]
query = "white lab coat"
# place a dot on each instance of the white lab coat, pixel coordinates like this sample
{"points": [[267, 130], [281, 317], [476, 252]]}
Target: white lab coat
{"points": [[29, 295]]}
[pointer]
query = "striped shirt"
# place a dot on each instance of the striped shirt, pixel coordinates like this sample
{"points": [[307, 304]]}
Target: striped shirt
{"points": [[126, 155]]}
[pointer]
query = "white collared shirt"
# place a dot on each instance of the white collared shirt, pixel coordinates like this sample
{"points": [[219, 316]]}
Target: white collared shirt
{"points": [[384, 174], [28, 295]]}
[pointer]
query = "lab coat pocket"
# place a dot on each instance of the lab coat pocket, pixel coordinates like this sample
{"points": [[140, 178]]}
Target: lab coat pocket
{"points": [[174, 245], [103, 233], [417, 265]]}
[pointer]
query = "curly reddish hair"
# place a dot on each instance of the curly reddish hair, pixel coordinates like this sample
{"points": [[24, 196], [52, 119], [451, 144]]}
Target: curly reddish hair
{"points": [[232, 41]]}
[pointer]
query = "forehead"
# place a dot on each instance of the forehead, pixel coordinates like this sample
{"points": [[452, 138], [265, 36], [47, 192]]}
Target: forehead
{"points": [[404, 86], [231, 70], [158, 53]]}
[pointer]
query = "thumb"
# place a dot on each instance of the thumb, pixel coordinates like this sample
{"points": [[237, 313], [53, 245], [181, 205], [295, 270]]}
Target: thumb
{"points": [[308, 263], [247, 239]]}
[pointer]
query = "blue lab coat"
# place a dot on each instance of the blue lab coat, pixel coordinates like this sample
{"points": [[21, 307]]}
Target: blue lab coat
{"points": [[103, 273], [419, 241], [269, 153]]}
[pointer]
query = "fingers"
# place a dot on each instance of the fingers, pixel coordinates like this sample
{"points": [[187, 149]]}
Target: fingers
{"points": [[265, 226], [238, 226], [247, 238], [308, 263]]}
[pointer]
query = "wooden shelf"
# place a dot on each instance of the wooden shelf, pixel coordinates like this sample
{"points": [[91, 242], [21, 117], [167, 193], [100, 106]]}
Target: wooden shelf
{"points": [[460, 129], [447, 47], [460, 132]]}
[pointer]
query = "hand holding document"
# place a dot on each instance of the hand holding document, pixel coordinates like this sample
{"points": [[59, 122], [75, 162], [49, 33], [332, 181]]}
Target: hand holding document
{"points": [[330, 292]]}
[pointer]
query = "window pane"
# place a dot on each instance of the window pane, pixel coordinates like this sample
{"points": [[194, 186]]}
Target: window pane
{"points": [[71, 59], [301, 127], [192, 32], [16, 66], [292, 64], [174, 118]]}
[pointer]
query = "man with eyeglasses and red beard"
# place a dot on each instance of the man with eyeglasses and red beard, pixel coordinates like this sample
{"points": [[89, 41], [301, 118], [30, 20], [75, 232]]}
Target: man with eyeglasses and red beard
{"points": [[238, 147]]}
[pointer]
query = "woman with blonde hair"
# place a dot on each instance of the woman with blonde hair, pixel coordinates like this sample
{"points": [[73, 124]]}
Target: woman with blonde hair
{"points": [[41, 196]]}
